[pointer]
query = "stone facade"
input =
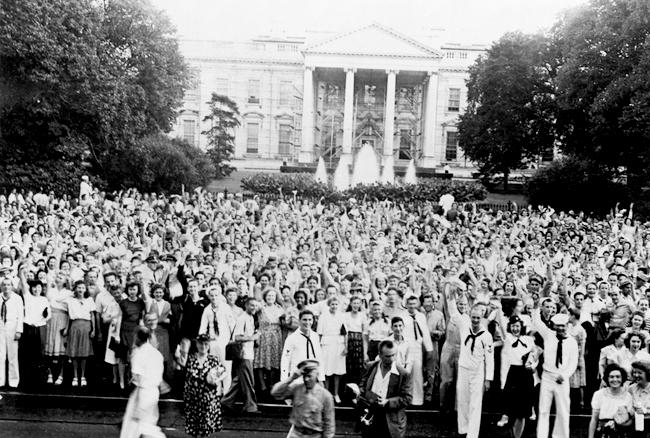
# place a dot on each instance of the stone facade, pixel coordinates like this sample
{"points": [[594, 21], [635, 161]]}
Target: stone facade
{"points": [[301, 100]]}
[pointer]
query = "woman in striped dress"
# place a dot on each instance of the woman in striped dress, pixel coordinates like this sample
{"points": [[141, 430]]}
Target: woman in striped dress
{"points": [[58, 297]]}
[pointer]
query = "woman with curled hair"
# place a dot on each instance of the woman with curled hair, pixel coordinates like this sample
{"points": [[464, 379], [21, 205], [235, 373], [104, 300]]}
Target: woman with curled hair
{"points": [[517, 375], [612, 406], [640, 392], [614, 352], [635, 343]]}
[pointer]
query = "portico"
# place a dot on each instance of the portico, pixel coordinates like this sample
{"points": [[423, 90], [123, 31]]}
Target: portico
{"points": [[371, 86]]}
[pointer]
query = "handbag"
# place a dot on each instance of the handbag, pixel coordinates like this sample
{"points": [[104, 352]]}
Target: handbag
{"points": [[234, 349], [118, 348]]}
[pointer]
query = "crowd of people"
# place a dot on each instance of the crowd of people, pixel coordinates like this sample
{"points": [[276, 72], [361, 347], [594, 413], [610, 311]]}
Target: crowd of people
{"points": [[524, 307]]}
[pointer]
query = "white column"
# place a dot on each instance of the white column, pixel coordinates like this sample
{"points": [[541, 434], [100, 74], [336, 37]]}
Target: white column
{"points": [[307, 147], [348, 112], [389, 114], [429, 141]]}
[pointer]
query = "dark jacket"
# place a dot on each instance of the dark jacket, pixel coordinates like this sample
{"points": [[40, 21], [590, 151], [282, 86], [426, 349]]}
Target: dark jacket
{"points": [[398, 397]]}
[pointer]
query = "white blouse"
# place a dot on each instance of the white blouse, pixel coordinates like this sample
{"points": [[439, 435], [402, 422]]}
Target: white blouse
{"points": [[81, 309]]}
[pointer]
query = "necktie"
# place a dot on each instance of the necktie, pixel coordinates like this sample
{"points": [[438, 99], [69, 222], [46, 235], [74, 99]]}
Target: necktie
{"points": [[517, 342], [558, 355], [473, 337], [417, 331], [309, 345], [215, 323], [3, 311]]}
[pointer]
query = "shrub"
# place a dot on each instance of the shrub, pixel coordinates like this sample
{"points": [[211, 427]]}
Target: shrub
{"points": [[427, 189], [574, 184]]}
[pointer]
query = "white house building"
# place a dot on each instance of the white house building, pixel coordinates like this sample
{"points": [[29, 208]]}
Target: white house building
{"points": [[300, 100]]}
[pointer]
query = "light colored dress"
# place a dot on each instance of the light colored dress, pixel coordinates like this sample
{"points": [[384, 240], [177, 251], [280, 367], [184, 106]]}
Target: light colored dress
{"points": [[269, 346], [330, 328], [579, 378]]}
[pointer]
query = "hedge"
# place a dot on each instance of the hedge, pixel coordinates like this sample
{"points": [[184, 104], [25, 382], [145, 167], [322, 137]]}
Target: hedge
{"points": [[427, 189]]}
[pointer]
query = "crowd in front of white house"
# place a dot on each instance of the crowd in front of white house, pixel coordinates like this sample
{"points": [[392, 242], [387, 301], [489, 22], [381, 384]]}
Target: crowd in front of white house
{"points": [[529, 306]]}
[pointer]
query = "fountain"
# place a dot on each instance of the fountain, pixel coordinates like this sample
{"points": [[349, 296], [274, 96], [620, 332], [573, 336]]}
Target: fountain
{"points": [[388, 174], [342, 173], [410, 177], [321, 173], [366, 167]]}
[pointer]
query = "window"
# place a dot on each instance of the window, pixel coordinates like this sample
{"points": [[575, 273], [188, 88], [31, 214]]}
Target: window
{"points": [[223, 86], [284, 139], [252, 137], [287, 47], [451, 151], [253, 91], [451, 55], [405, 144], [285, 92], [369, 94], [193, 92], [462, 55], [189, 131], [454, 100]]}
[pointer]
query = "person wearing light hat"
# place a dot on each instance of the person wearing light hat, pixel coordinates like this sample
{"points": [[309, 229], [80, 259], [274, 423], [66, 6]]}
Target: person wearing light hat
{"points": [[312, 414], [560, 362]]}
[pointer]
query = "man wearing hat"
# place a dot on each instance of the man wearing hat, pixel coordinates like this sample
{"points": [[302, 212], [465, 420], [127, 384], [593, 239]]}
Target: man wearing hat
{"points": [[475, 371], [560, 362], [312, 414]]}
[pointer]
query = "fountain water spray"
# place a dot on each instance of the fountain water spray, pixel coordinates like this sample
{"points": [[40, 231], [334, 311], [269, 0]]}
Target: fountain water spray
{"points": [[366, 167], [410, 177], [388, 174], [321, 173], [342, 173]]}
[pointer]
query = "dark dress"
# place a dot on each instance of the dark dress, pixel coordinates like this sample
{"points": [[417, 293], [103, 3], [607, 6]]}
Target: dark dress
{"points": [[131, 313], [202, 402]]}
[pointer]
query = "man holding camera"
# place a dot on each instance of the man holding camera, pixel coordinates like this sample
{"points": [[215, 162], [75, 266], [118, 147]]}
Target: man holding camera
{"points": [[387, 389], [312, 414]]}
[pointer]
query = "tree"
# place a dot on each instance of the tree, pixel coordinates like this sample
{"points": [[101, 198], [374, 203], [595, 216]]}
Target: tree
{"points": [[603, 85], [223, 118], [82, 82], [510, 105]]}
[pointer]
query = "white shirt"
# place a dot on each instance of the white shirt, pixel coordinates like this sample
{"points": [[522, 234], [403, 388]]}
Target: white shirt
{"points": [[34, 308], [81, 309], [420, 332], [59, 298], [245, 326], [219, 319], [380, 384], [147, 363], [481, 357], [15, 312], [569, 350], [297, 348]]}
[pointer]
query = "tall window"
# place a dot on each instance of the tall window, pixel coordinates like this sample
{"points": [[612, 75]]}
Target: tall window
{"points": [[253, 91], [284, 139], [194, 90], [189, 131], [285, 92], [223, 86], [451, 151], [454, 99], [405, 144], [252, 137]]}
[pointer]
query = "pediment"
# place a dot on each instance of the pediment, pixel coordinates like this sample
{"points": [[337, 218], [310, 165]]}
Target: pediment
{"points": [[374, 40]]}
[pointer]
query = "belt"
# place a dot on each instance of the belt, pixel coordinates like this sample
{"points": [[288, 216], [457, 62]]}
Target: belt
{"points": [[306, 430]]}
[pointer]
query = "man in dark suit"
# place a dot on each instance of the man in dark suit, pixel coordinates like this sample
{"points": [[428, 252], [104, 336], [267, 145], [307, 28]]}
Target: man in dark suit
{"points": [[387, 389]]}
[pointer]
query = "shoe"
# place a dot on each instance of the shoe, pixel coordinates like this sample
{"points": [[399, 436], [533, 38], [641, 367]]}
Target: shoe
{"points": [[83, 382], [59, 381], [75, 382], [503, 421], [50, 380], [337, 399]]}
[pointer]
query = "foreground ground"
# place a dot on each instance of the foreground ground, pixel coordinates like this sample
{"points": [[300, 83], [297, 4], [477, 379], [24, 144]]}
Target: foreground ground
{"points": [[34, 416]]}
